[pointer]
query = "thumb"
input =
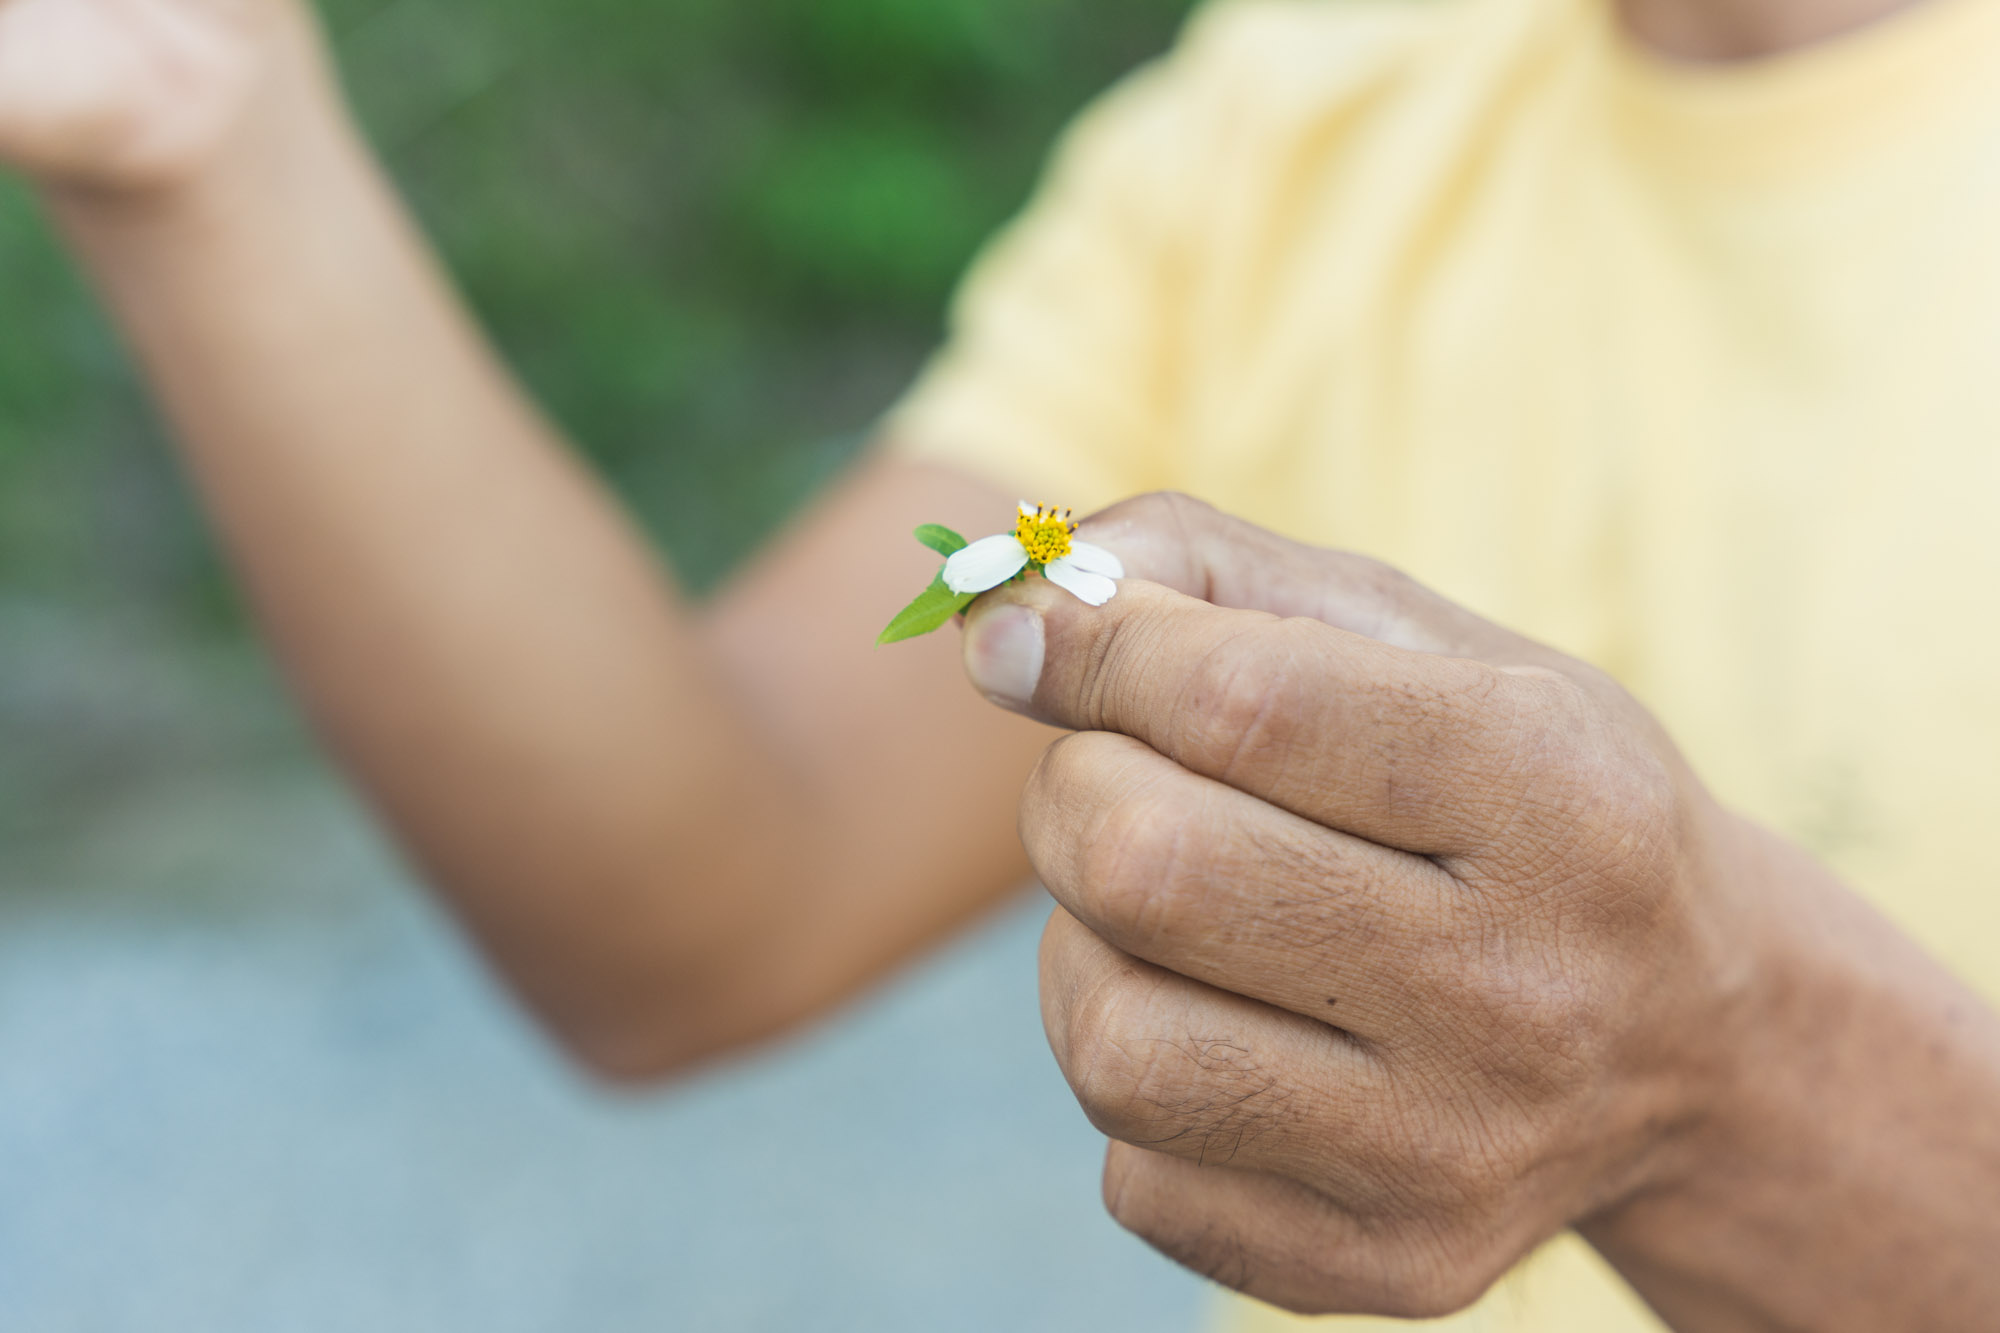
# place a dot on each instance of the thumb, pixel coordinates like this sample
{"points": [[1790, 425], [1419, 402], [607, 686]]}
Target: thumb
{"points": [[1198, 550]]}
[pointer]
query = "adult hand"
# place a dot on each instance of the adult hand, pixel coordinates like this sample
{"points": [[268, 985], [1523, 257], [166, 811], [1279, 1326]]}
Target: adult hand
{"points": [[122, 95], [1390, 943]]}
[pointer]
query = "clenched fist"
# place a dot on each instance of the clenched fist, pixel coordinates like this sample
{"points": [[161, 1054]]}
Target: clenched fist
{"points": [[1390, 943]]}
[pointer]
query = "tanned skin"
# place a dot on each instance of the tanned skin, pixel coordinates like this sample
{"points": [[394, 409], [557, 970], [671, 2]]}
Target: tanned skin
{"points": [[678, 829]]}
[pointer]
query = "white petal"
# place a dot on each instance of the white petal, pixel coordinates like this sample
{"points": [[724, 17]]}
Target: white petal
{"points": [[987, 563], [1095, 560], [1093, 588], [1027, 509]]}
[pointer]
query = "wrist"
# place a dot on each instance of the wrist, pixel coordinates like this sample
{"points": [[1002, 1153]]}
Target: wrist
{"points": [[1852, 1065], [1682, 1227]]}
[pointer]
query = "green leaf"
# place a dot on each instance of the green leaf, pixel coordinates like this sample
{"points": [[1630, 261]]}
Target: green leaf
{"points": [[932, 608], [940, 539]]}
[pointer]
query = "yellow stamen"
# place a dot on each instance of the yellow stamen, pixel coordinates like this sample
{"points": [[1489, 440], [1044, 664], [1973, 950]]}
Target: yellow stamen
{"points": [[1045, 533]]}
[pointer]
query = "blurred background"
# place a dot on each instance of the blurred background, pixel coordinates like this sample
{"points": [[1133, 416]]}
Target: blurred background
{"points": [[248, 1076]]}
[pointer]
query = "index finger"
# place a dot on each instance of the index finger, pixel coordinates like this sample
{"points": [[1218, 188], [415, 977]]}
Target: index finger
{"points": [[1405, 748]]}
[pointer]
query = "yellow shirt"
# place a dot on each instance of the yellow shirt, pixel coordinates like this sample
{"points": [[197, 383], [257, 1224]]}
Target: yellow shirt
{"points": [[1692, 373]]}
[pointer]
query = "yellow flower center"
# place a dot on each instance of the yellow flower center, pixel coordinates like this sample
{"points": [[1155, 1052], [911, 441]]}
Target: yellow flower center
{"points": [[1044, 534]]}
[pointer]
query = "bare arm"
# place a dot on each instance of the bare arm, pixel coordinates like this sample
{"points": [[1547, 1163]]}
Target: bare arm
{"points": [[1571, 989], [1847, 1178], [674, 831]]}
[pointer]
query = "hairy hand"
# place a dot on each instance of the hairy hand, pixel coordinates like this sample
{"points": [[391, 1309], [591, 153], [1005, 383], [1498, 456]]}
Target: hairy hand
{"points": [[1390, 943]]}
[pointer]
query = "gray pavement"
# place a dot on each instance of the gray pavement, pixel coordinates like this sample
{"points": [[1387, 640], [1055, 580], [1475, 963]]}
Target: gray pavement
{"points": [[251, 1080]]}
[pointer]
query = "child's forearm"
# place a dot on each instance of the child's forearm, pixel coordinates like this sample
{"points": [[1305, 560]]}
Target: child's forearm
{"points": [[474, 626]]}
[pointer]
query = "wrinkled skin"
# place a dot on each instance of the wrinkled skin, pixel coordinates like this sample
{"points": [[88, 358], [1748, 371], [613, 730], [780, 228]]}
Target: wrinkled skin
{"points": [[1390, 943]]}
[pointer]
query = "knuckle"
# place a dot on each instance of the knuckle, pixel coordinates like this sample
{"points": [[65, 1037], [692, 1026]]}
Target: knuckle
{"points": [[1641, 811], [1103, 821], [1233, 1102], [1453, 1267], [1454, 1155], [1382, 584], [1215, 1251], [1098, 1037], [1404, 1274], [1399, 610], [1120, 661], [1060, 776], [1428, 1163], [1576, 788], [1094, 1015], [1231, 684], [1059, 969], [1416, 1269], [1204, 1098], [1465, 1170], [1453, 698], [1129, 864], [1534, 1039], [1154, 505], [1045, 816], [1162, 533], [1201, 1097], [1379, 601], [1173, 510], [1106, 817], [1565, 1019], [1243, 696], [1609, 812], [1428, 1289], [1120, 1191], [1391, 585], [1435, 736]]}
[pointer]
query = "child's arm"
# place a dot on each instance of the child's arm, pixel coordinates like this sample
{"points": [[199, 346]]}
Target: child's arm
{"points": [[674, 833]]}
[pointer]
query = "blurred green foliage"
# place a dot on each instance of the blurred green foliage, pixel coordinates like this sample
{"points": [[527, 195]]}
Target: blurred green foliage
{"points": [[716, 238]]}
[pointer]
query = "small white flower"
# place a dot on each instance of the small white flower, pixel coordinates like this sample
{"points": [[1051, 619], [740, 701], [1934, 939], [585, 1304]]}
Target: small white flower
{"points": [[1045, 538]]}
